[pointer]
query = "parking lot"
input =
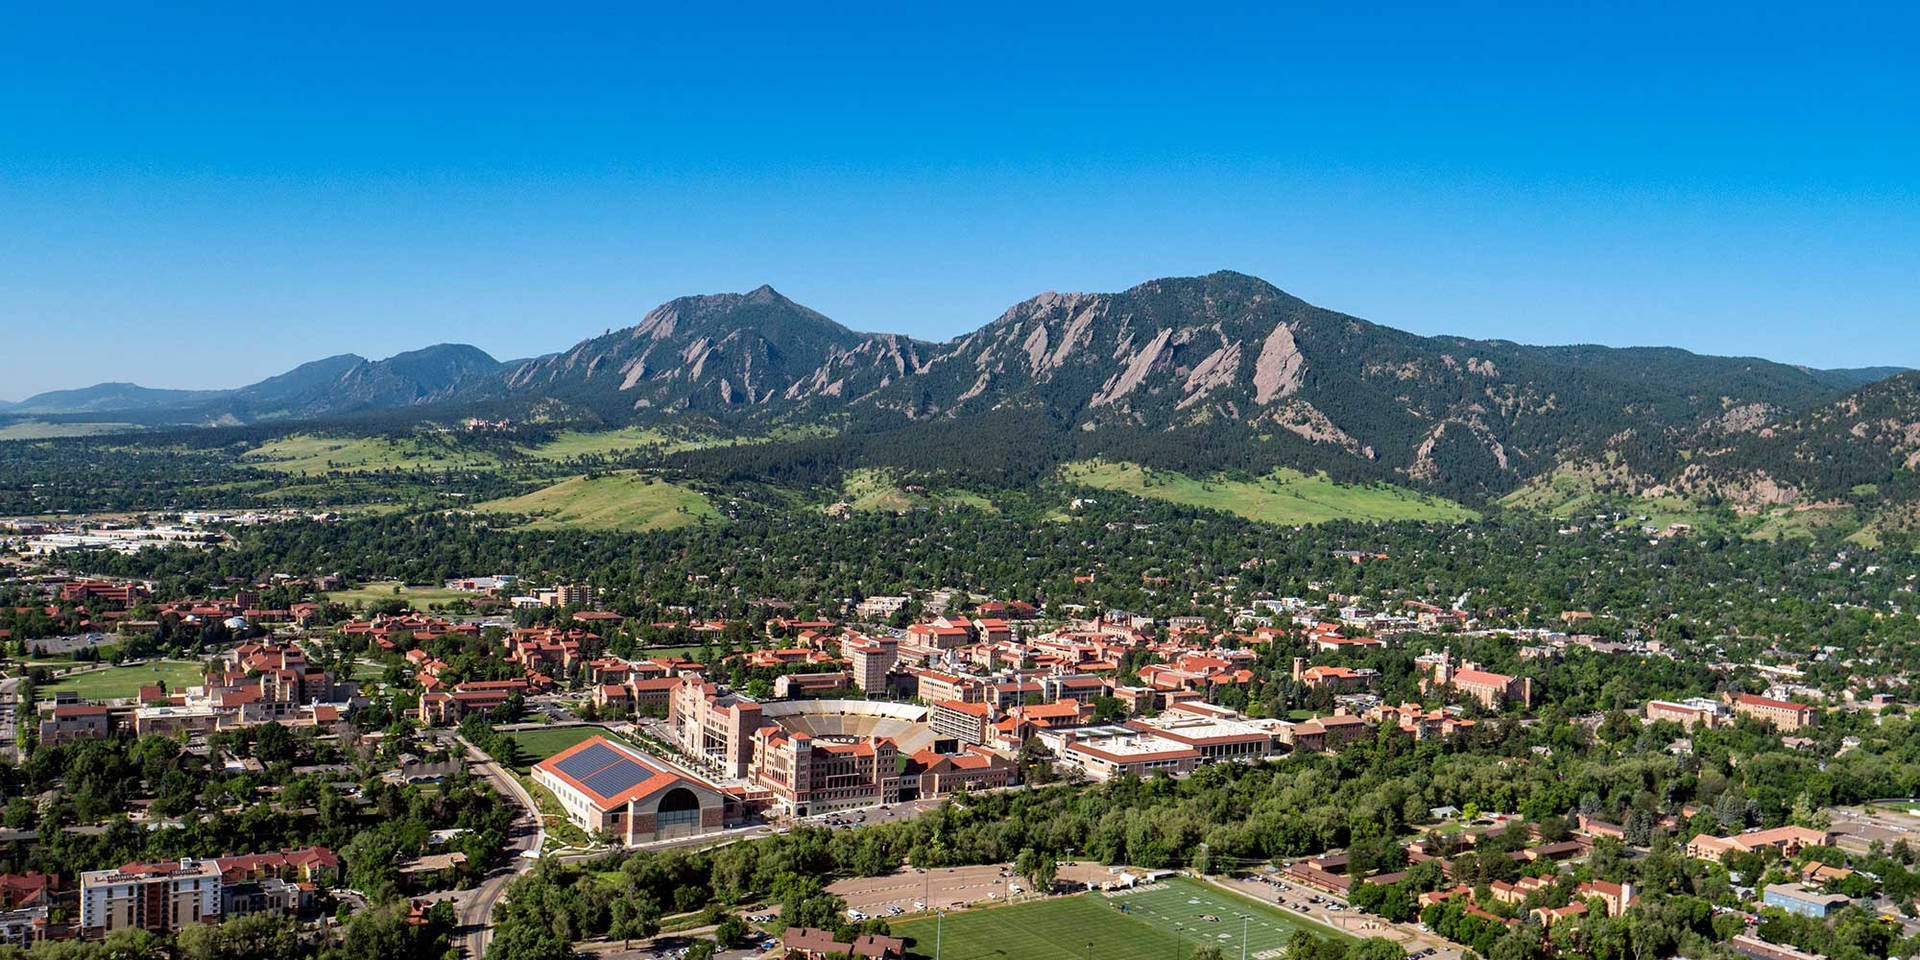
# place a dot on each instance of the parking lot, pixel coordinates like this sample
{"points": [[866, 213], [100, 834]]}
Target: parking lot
{"points": [[912, 891], [1334, 912]]}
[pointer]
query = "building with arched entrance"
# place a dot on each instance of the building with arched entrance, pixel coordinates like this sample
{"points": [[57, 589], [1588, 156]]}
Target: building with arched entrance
{"points": [[608, 786]]}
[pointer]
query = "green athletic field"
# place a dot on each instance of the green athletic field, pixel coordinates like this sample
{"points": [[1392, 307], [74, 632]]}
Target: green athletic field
{"points": [[1153, 924]]}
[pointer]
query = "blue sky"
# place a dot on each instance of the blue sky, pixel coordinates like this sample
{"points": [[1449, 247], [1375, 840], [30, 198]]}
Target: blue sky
{"points": [[205, 198]]}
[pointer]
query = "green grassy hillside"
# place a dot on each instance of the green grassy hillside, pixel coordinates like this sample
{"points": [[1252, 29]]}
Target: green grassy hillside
{"points": [[618, 501], [1282, 497], [305, 453], [881, 491]]}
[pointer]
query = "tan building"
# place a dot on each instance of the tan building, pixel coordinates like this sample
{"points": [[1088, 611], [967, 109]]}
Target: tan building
{"points": [[1494, 690], [809, 776], [1142, 755], [157, 897], [936, 685], [714, 726], [1216, 739], [71, 722], [1788, 840], [1336, 679], [975, 768], [872, 659], [1785, 715], [1692, 713], [968, 723], [1322, 734]]}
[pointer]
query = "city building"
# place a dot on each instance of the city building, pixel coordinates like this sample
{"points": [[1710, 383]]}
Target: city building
{"points": [[156, 897], [975, 768], [63, 723], [1139, 754], [1697, 711], [1801, 899], [808, 775], [872, 659], [1785, 715], [714, 726], [170, 896], [1321, 734], [879, 608], [968, 723], [1216, 739], [1492, 690], [609, 787], [1788, 840]]}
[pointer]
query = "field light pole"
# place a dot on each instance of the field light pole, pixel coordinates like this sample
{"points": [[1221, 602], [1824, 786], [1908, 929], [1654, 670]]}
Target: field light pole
{"points": [[1244, 918], [940, 920]]}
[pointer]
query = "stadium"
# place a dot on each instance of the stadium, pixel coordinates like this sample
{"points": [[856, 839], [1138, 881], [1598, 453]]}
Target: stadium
{"points": [[846, 721]]}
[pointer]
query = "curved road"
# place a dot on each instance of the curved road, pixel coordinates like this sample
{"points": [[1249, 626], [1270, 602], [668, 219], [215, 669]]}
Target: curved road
{"points": [[475, 907]]}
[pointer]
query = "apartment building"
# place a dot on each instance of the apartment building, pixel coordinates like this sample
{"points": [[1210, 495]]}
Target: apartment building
{"points": [[1690, 713], [166, 897], [1788, 840], [1785, 715], [156, 897], [64, 723]]}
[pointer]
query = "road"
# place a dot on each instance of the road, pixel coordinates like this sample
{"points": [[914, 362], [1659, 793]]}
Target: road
{"points": [[475, 907], [10, 716]]}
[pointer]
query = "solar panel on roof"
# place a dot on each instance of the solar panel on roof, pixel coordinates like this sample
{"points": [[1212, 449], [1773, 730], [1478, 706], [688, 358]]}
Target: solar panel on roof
{"points": [[622, 776], [585, 762]]}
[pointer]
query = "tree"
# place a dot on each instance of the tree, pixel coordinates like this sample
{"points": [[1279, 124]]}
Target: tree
{"points": [[525, 941], [1038, 867], [1376, 948], [731, 932]]}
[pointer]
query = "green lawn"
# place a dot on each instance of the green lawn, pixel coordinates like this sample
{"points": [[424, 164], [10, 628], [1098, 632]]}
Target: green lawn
{"points": [[115, 682], [617, 501], [1283, 497], [1148, 925], [305, 453], [417, 597], [537, 745]]}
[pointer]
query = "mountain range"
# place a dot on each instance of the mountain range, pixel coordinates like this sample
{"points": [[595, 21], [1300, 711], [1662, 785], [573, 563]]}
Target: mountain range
{"points": [[1225, 361], [319, 388]]}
